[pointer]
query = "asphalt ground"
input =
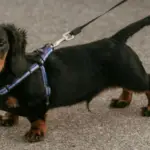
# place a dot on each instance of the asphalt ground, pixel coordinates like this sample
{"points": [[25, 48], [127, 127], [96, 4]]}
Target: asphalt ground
{"points": [[74, 128]]}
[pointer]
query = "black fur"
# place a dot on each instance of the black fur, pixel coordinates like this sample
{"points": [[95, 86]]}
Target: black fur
{"points": [[75, 74]]}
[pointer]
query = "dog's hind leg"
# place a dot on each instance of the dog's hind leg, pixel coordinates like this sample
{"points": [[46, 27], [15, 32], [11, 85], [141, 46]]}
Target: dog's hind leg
{"points": [[124, 100], [146, 110], [131, 76], [9, 119]]}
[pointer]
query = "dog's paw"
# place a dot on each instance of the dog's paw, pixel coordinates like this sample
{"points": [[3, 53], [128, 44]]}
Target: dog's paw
{"points": [[34, 136], [37, 132], [116, 103], [9, 120], [145, 112]]}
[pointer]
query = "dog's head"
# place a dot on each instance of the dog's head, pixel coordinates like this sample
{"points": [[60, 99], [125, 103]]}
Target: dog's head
{"points": [[12, 48]]}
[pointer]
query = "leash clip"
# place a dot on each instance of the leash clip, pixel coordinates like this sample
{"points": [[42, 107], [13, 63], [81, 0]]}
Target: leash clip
{"points": [[68, 36], [65, 37], [58, 42]]}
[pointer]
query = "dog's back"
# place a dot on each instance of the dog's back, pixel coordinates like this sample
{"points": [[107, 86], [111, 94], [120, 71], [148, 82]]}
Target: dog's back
{"points": [[76, 70], [78, 73]]}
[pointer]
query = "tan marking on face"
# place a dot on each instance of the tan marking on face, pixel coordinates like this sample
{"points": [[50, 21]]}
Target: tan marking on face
{"points": [[2, 62], [12, 102]]}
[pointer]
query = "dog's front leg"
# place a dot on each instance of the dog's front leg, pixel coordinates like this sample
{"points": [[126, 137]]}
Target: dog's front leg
{"points": [[38, 129], [9, 119]]}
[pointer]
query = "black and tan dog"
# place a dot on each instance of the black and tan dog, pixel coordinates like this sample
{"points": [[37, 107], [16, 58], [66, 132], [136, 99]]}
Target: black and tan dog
{"points": [[75, 74]]}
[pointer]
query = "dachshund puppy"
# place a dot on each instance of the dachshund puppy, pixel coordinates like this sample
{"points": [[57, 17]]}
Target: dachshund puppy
{"points": [[75, 74]]}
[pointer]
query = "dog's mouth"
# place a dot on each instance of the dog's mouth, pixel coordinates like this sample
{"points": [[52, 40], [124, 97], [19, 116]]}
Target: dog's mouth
{"points": [[3, 56]]}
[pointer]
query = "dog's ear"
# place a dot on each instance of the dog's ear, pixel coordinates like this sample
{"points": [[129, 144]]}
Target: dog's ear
{"points": [[18, 66], [17, 39], [17, 43]]}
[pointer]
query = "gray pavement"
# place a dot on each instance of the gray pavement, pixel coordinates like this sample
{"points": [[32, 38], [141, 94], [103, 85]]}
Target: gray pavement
{"points": [[74, 128]]}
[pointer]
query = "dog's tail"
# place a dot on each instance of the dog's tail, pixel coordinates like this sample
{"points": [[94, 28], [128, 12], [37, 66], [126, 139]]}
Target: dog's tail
{"points": [[131, 29]]}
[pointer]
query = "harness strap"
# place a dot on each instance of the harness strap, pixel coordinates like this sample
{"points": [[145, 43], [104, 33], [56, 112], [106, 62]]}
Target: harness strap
{"points": [[9, 87], [46, 50], [47, 87]]}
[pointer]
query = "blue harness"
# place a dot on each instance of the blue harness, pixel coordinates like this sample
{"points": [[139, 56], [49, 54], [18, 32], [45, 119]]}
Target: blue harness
{"points": [[45, 52]]}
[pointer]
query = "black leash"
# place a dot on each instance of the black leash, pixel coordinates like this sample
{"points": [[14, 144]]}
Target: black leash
{"points": [[77, 30], [71, 34]]}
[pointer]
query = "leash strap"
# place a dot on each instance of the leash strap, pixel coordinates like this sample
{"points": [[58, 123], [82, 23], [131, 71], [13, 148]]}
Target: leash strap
{"points": [[71, 34], [77, 30]]}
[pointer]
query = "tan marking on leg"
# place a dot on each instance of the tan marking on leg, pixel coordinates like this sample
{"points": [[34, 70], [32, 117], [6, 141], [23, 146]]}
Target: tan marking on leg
{"points": [[12, 102], [126, 95], [39, 125], [37, 131]]}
